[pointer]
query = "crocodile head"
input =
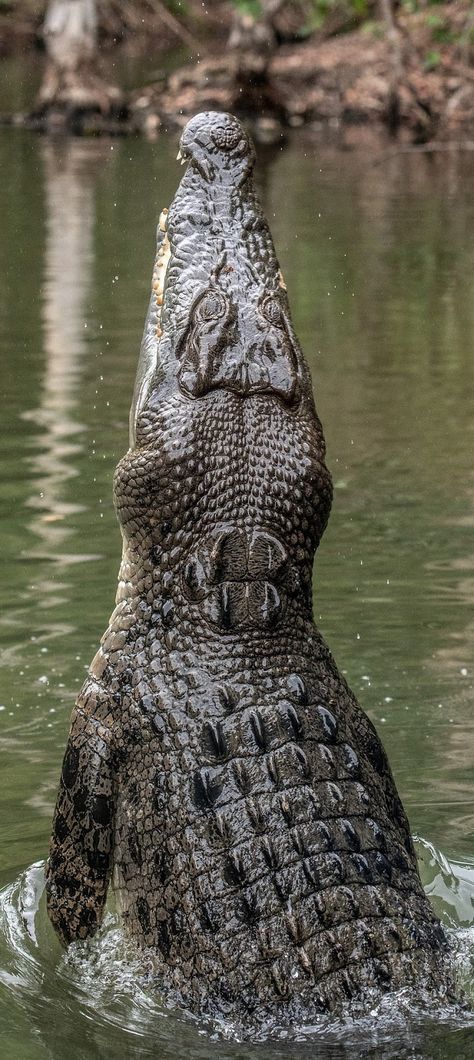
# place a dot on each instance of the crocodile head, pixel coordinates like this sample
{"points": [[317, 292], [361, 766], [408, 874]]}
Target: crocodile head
{"points": [[225, 440], [219, 315]]}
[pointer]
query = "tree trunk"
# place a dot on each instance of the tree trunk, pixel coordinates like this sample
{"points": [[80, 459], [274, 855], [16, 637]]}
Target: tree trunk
{"points": [[252, 41], [73, 85], [397, 72]]}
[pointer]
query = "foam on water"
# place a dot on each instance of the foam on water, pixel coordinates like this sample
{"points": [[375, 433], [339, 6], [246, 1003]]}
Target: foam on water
{"points": [[99, 994]]}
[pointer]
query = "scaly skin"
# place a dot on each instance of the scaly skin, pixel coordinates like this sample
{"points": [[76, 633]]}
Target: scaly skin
{"points": [[217, 762]]}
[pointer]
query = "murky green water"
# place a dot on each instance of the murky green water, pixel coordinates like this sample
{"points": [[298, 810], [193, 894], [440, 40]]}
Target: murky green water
{"points": [[379, 260]]}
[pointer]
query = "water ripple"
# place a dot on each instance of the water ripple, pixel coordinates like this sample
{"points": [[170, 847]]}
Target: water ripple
{"points": [[97, 994]]}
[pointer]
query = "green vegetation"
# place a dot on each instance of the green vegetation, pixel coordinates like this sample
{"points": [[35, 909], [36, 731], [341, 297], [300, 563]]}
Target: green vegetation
{"points": [[419, 51], [249, 7], [445, 23]]}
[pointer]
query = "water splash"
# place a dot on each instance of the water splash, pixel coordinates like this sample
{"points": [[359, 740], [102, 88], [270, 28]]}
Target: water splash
{"points": [[450, 885], [96, 993]]}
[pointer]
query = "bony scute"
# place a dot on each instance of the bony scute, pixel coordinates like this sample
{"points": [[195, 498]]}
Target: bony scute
{"points": [[258, 846]]}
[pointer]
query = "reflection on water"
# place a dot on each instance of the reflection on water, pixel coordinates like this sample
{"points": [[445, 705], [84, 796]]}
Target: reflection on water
{"points": [[450, 886], [39, 609], [456, 655], [387, 322], [454, 577], [102, 986], [70, 169]]}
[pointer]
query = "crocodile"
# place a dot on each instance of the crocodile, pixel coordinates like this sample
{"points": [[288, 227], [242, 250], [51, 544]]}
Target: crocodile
{"points": [[219, 772]]}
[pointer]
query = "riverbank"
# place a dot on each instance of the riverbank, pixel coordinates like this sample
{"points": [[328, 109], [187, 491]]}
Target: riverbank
{"points": [[134, 27], [362, 77], [414, 77]]}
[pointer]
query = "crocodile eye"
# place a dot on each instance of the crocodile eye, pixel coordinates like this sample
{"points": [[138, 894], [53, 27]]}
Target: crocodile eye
{"points": [[272, 312], [212, 306]]}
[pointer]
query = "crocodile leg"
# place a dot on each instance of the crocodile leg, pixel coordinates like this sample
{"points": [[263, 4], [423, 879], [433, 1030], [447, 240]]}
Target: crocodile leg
{"points": [[80, 857]]}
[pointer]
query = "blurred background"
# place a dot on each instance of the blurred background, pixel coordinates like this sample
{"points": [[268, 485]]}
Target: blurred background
{"points": [[371, 207], [404, 64]]}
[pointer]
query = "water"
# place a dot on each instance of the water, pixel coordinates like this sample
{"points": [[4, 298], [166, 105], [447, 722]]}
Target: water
{"points": [[97, 992], [379, 260]]}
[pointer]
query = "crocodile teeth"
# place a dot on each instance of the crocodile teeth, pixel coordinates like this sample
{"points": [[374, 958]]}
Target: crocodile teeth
{"points": [[159, 272]]}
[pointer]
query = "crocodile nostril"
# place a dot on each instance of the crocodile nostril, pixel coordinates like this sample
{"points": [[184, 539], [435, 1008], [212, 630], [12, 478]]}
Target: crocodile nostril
{"points": [[227, 137]]}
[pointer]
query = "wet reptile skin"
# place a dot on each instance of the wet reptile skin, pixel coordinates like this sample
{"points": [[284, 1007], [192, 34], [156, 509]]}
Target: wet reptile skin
{"points": [[218, 766]]}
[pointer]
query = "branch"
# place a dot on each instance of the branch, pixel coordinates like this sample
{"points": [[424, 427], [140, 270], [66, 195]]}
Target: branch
{"points": [[173, 23]]}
